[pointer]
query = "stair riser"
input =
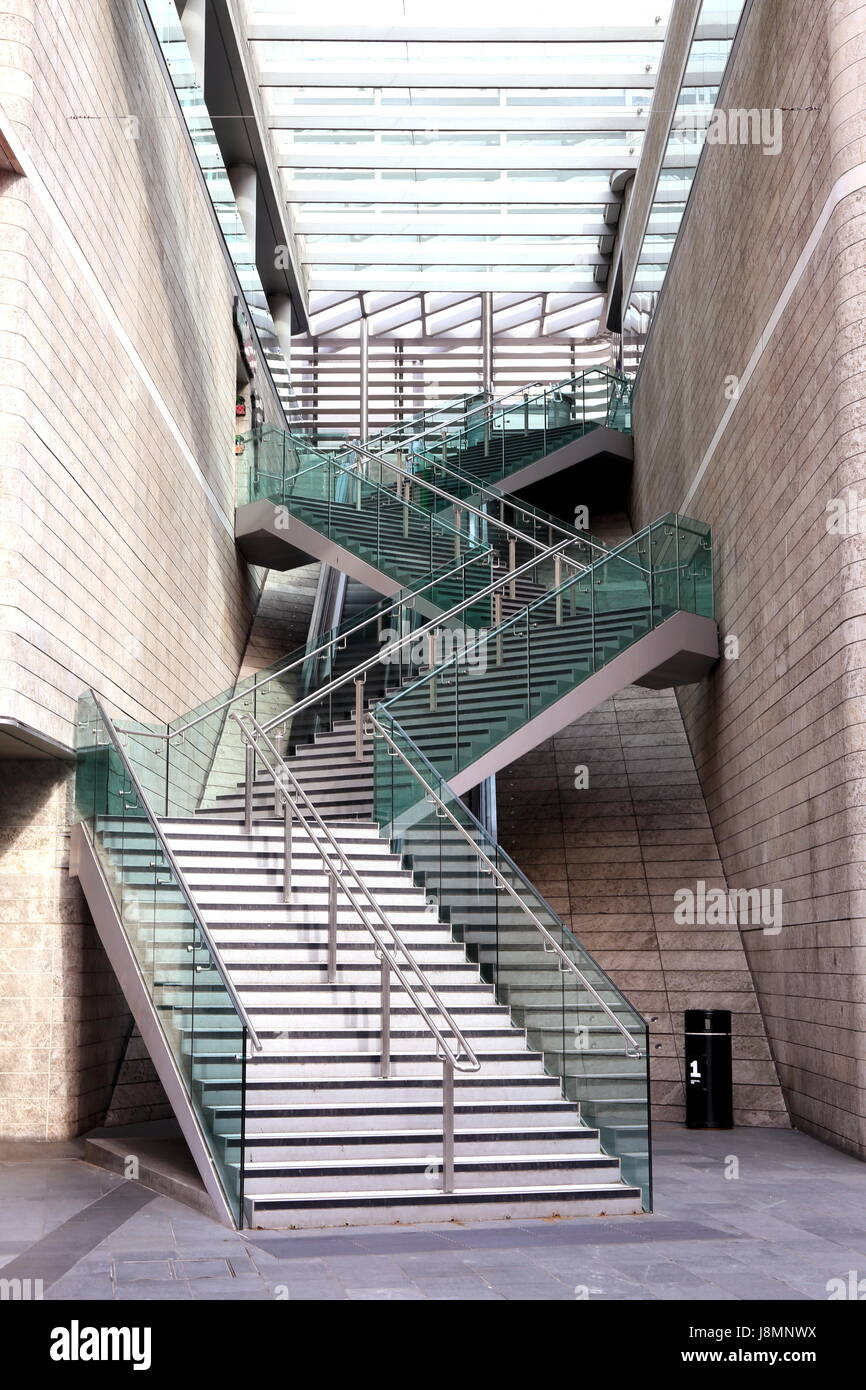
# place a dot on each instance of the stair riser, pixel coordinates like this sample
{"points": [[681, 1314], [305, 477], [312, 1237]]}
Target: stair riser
{"points": [[322, 1091], [356, 1180], [291, 1026], [301, 1121], [306, 1068], [284, 1053], [269, 1151], [442, 1209]]}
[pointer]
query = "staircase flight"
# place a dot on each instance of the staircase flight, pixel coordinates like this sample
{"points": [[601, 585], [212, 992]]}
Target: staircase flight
{"points": [[361, 1009]]}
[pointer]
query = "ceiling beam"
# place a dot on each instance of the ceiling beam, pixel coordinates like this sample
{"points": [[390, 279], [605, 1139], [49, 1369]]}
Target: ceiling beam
{"points": [[467, 224], [501, 157], [466, 118], [276, 31], [501, 193], [452, 253], [568, 281], [493, 76]]}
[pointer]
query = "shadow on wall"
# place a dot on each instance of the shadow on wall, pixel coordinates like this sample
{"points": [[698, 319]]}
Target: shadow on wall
{"points": [[60, 1000]]}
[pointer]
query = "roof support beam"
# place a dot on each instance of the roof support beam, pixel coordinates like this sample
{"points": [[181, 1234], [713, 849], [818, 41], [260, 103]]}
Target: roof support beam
{"points": [[671, 77], [466, 118], [233, 102], [564, 281], [493, 77], [277, 31], [429, 224], [452, 253], [574, 193], [447, 156]]}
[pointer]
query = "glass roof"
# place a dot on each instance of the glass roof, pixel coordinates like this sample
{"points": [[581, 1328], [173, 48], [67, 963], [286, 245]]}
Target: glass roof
{"points": [[432, 152], [694, 108]]}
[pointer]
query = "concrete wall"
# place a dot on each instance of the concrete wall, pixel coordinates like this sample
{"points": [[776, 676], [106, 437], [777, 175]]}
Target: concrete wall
{"points": [[118, 569], [63, 1018], [118, 357], [609, 853], [749, 414]]}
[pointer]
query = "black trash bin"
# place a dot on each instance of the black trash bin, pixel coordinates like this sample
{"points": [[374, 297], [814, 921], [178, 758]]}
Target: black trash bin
{"points": [[709, 1088]]}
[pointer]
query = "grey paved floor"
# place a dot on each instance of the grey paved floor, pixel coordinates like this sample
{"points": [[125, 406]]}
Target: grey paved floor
{"points": [[794, 1219]]}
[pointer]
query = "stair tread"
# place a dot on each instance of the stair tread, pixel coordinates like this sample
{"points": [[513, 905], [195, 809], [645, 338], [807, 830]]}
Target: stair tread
{"points": [[472, 1194]]}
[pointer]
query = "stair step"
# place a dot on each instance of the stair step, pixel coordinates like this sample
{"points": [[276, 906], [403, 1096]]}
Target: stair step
{"points": [[408, 1207], [296, 1177], [289, 1146], [400, 1116]]}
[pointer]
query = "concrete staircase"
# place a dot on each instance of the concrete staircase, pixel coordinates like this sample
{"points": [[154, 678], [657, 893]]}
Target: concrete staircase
{"points": [[327, 1140]]}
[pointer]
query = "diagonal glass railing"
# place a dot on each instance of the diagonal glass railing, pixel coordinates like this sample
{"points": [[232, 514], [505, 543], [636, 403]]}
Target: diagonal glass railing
{"points": [[199, 1011], [369, 503], [355, 688], [513, 529], [447, 414], [464, 412], [376, 523], [510, 437], [383, 514], [590, 1035], [597, 395], [186, 764], [460, 710]]}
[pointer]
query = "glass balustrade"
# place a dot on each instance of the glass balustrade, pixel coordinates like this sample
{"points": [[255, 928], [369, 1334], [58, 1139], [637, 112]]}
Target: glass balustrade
{"points": [[510, 437], [460, 710], [199, 1020], [587, 1031]]}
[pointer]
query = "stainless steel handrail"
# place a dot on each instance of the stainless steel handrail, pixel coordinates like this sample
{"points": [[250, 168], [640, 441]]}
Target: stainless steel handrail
{"points": [[166, 850], [476, 410], [552, 943], [411, 596], [456, 1055], [390, 430], [510, 577], [504, 499], [462, 505], [490, 406], [423, 483]]}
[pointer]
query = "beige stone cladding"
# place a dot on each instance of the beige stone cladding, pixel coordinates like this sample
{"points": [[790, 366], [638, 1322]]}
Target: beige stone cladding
{"points": [[749, 413]]}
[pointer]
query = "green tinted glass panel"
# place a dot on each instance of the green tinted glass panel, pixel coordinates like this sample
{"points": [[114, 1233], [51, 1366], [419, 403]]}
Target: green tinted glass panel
{"points": [[589, 1034], [164, 932]]}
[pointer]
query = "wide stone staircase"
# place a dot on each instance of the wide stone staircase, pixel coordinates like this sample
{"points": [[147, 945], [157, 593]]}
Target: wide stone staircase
{"points": [[361, 1009]]}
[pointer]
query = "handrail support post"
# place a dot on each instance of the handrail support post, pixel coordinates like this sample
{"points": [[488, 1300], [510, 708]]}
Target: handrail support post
{"points": [[332, 928], [385, 1017], [249, 776], [359, 717], [287, 848], [447, 1126]]}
